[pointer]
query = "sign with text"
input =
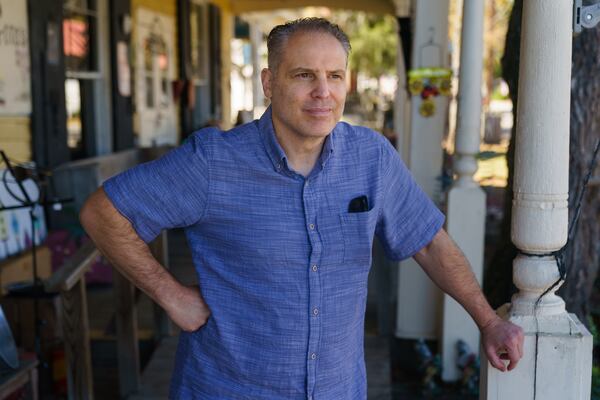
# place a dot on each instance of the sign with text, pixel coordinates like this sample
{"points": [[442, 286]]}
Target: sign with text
{"points": [[15, 76], [154, 74]]}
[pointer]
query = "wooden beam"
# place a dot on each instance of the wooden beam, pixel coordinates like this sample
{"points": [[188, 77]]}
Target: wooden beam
{"points": [[127, 335], [77, 341], [373, 6], [73, 269]]}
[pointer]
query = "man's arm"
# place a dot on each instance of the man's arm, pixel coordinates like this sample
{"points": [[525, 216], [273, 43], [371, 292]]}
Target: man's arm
{"points": [[446, 265], [117, 240]]}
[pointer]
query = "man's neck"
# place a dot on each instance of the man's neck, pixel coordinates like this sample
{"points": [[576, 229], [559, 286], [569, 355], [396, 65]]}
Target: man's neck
{"points": [[302, 153]]}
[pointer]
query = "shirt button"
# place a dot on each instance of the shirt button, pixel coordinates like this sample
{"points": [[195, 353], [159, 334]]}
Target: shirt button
{"points": [[315, 311], [313, 356], [315, 268], [312, 227]]}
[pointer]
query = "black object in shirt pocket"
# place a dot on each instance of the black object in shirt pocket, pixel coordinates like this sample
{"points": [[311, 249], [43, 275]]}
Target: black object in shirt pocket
{"points": [[358, 230]]}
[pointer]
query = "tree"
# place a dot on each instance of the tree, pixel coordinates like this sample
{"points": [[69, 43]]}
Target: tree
{"points": [[498, 284], [583, 254], [374, 42]]}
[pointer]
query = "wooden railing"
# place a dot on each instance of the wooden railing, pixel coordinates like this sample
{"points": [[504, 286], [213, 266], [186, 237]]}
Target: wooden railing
{"points": [[79, 179], [69, 282]]}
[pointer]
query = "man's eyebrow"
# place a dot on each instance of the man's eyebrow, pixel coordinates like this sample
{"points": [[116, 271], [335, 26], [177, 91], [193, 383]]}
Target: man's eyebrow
{"points": [[305, 69], [300, 69]]}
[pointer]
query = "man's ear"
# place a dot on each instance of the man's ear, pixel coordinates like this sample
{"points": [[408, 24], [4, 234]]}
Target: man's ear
{"points": [[266, 76]]}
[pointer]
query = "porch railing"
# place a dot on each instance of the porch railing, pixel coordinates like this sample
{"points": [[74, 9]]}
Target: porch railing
{"points": [[69, 282]]}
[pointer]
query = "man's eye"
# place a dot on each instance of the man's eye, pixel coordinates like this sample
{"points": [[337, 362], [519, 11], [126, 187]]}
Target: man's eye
{"points": [[304, 75], [337, 76]]}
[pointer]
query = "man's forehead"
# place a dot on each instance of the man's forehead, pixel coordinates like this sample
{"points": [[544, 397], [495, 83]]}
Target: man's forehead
{"points": [[301, 38], [314, 50]]}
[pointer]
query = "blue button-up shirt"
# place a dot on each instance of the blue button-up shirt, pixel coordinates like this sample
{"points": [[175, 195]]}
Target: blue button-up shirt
{"points": [[281, 261]]}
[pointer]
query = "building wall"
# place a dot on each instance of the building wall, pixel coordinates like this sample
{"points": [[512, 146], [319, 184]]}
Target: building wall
{"points": [[168, 8], [15, 137], [15, 91]]}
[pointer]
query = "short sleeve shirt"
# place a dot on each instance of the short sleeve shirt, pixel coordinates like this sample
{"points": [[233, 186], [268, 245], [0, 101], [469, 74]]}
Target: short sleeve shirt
{"points": [[281, 260]]}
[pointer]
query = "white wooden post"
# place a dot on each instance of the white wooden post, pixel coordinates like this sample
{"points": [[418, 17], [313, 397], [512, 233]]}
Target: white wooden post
{"points": [[466, 200], [557, 359], [419, 300]]}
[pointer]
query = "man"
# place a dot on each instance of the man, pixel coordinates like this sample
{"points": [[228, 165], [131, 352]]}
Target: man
{"points": [[280, 216]]}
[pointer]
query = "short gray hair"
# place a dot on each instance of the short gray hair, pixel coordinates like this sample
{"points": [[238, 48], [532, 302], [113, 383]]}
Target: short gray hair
{"points": [[280, 34]]}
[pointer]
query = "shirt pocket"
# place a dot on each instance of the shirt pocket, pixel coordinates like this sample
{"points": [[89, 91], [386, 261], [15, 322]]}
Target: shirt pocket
{"points": [[358, 230]]}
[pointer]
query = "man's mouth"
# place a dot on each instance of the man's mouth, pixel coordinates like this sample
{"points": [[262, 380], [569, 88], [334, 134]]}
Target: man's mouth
{"points": [[318, 111]]}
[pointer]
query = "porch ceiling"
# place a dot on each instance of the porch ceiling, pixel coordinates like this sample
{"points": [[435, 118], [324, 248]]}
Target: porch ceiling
{"points": [[374, 6]]}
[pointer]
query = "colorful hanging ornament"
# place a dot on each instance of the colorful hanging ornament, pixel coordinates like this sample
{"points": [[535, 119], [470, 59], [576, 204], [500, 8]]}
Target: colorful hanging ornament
{"points": [[427, 108], [429, 83]]}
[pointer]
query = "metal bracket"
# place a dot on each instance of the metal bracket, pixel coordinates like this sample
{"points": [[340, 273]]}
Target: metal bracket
{"points": [[585, 17]]}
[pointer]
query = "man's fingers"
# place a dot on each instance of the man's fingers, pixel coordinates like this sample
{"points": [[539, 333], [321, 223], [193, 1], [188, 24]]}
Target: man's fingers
{"points": [[520, 346], [494, 359], [505, 338], [514, 356]]}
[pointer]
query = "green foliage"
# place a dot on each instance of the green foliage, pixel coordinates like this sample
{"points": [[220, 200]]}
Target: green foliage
{"points": [[595, 383], [497, 94], [595, 369], [374, 41]]}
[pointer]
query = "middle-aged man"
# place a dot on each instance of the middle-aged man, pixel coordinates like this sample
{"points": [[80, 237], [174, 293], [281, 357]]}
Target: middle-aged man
{"points": [[280, 216]]}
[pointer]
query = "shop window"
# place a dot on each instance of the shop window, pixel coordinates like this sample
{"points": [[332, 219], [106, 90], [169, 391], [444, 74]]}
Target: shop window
{"points": [[79, 26], [73, 103], [80, 21]]}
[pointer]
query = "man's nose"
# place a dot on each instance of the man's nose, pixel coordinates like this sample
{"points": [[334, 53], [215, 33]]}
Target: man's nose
{"points": [[321, 88]]}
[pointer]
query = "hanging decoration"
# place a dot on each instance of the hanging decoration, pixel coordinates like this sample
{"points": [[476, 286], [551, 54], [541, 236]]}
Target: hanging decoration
{"points": [[429, 83]]}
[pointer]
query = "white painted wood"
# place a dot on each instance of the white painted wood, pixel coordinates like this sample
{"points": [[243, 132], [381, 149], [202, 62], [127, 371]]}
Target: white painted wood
{"points": [[466, 225], [542, 144], [564, 362], [557, 358], [541, 185], [419, 300], [468, 126], [466, 200], [421, 314]]}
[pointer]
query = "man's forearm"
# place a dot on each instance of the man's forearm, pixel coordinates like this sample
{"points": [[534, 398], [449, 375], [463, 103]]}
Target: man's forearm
{"points": [[446, 265], [117, 240]]}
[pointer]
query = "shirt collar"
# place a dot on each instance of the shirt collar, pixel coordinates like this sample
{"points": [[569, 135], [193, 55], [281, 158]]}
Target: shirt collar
{"points": [[274, 149]]}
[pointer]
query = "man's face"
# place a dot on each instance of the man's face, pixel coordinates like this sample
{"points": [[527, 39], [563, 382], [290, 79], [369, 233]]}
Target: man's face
{"points": [[308, 88]]}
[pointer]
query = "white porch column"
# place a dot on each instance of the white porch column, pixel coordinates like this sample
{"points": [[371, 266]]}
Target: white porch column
{"points": [[557, 359], [419, 300], [466, 200]]}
